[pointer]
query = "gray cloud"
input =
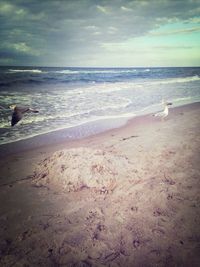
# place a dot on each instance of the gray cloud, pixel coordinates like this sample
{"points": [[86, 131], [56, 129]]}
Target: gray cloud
{"points": [[65, 32], [181, 31]]}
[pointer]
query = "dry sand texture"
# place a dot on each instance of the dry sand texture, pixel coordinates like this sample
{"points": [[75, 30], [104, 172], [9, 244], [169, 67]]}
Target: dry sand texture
{"points": [[128, 197]]}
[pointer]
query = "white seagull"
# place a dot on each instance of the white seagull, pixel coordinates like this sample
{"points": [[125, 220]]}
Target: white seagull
{"points": [[165, 112]]}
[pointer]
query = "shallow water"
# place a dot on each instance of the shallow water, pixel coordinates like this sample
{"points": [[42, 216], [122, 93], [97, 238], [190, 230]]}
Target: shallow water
{"points": [[67, 97]]}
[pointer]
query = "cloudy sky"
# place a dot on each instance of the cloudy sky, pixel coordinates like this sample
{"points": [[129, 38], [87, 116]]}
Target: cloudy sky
{"points": [[102, 33]]}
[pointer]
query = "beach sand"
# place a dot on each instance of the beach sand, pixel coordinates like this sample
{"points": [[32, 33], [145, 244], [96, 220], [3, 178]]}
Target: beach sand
{"points": [[126, 197]]}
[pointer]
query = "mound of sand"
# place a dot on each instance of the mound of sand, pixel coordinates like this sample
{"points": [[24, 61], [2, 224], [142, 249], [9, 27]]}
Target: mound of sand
{"points": [[78, 168]]}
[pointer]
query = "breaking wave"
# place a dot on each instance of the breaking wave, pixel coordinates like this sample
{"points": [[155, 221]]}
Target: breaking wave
{"points": [[25, 70], [101, 71], [178, 80]]}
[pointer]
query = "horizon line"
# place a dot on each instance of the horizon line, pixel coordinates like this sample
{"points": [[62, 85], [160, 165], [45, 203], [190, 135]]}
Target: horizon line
{"points": [[97, 67]]}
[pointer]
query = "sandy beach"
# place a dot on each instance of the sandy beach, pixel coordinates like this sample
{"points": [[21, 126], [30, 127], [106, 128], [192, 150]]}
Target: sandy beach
{"points": [[127, 197]]}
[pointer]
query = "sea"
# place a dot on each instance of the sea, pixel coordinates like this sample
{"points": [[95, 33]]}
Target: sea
{"points": [[69, 97]]}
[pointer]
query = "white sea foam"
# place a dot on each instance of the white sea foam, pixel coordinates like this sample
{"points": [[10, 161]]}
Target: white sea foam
{"points": [[26, 70], [4, 124], [66, 71], [177, 80], [104, 71], [185, 100], [105, 88], [119, 86]]}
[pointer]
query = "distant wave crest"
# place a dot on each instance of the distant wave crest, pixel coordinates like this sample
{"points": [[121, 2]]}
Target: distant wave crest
{"points": [[179, 80], [26, 70], [66, 71], [105, 71]]}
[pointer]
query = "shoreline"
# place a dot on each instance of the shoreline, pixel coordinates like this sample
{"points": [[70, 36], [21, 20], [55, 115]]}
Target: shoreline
{"points": [[64, 135], [69, 136]]}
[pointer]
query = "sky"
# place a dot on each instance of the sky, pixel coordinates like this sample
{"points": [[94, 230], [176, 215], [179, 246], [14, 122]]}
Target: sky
{"points": [[100, 33]]}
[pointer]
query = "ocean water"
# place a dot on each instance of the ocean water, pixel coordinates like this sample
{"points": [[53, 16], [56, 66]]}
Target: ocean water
{"points": [[69, 97]]}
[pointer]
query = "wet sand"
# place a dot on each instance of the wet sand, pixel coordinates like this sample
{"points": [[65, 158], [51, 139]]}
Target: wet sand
{"points": [[126, 197]]}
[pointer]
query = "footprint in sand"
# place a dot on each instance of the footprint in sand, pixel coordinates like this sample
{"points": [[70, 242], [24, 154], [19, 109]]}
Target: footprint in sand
{"points": [[170, 196], [134, 208], [158, 212], [158, 231], [168, 180], [136, 243]]}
